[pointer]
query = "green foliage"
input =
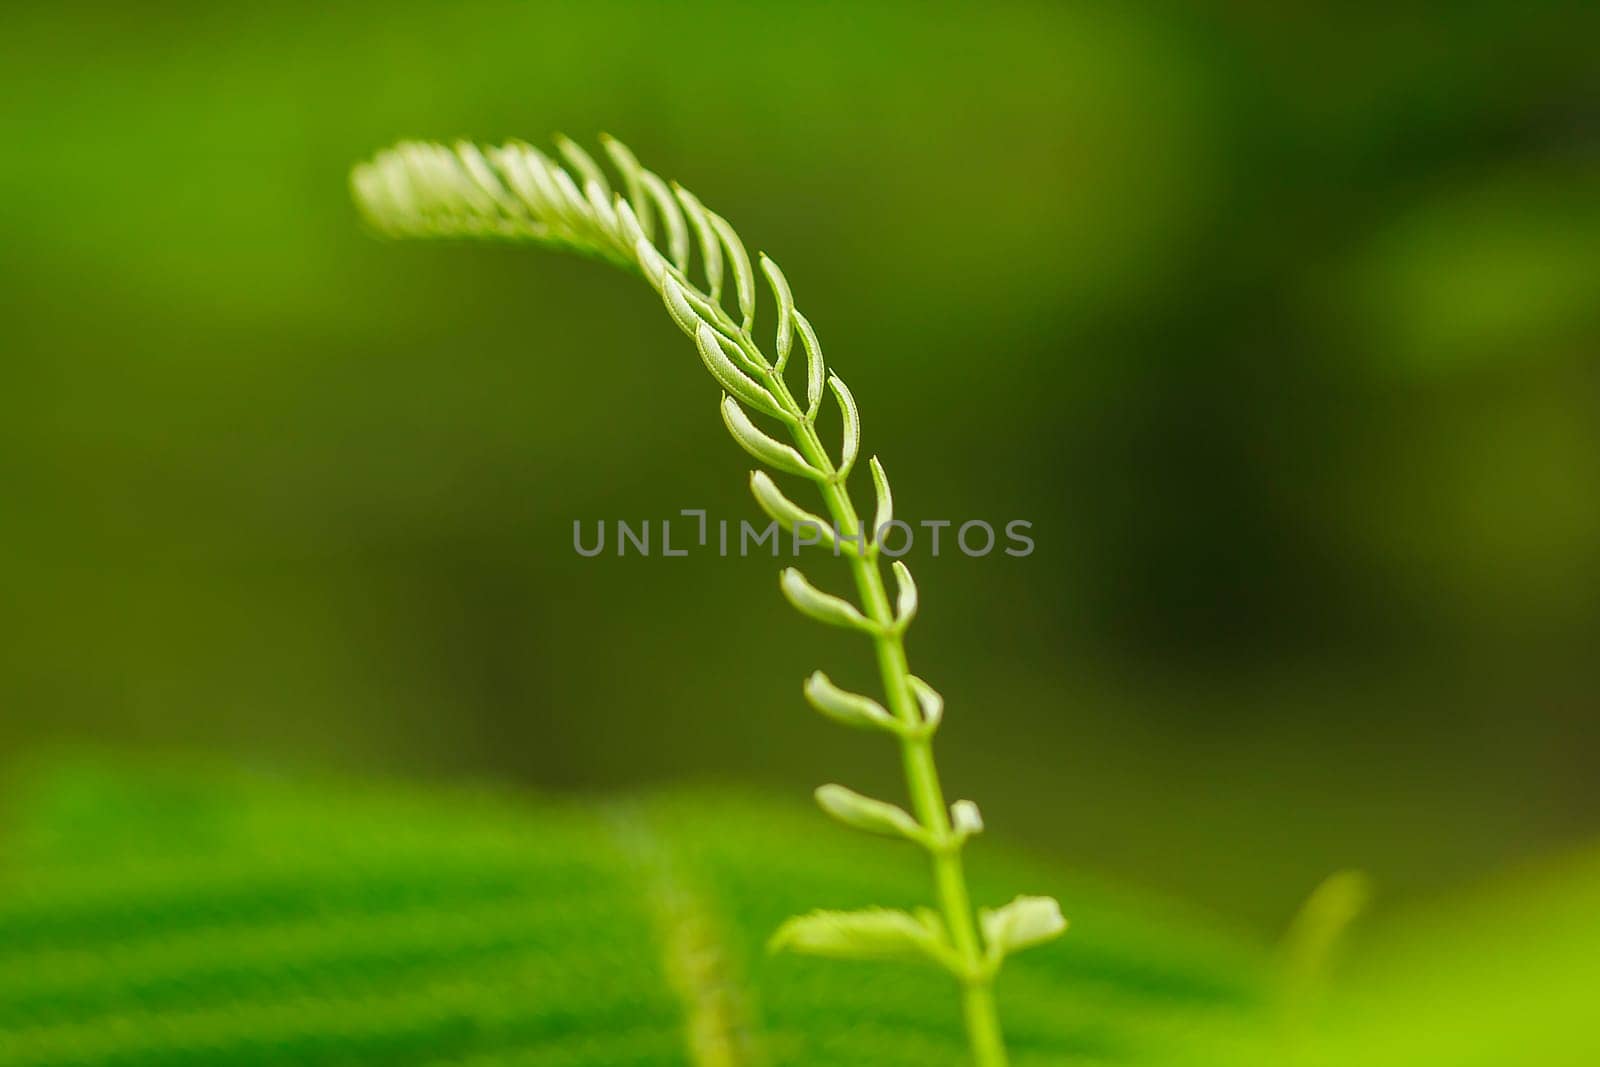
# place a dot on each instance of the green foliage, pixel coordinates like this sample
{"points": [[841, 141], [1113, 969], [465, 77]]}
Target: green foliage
{"points": [[189, 917], [224, 920], [163, 919], [517, 192], [1504, 974]]}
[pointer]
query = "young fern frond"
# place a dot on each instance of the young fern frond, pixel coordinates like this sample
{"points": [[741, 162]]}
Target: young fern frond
{"points": [[516, 192]]}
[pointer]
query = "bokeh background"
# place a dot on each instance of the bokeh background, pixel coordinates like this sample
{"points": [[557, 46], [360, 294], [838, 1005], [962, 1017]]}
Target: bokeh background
{"points": [[1281, 326]]}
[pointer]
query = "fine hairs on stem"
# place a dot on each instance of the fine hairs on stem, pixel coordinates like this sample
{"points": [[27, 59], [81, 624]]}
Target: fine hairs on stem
{"points": [[690, 255]]}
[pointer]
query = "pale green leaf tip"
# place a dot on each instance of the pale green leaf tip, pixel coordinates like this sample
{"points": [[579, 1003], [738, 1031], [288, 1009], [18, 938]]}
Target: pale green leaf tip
{"points": [[1021, 924], [780, 938], [850, 709], [872, 933], [966, 818]]}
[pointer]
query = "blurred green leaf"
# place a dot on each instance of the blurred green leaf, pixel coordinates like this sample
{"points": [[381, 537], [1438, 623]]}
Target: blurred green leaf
{"points": [[198, 917], [1503, 268], [1507, 975], [205, 919]]}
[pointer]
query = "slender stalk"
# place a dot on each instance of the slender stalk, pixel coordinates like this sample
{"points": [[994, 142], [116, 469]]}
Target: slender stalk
{"points": [[984, 1035], [982, 1020], [516, 192], [916, 748]]}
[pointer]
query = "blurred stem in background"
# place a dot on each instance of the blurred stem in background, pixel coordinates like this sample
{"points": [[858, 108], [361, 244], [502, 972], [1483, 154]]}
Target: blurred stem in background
{"points": [[1308, 954]]}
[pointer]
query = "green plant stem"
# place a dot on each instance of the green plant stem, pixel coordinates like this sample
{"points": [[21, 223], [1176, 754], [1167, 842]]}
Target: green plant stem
{"points": [[916, 749], [514, 191]]}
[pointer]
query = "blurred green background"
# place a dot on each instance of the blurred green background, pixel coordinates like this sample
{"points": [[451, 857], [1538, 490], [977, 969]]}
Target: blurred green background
{"points": [[1283, 328]]}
